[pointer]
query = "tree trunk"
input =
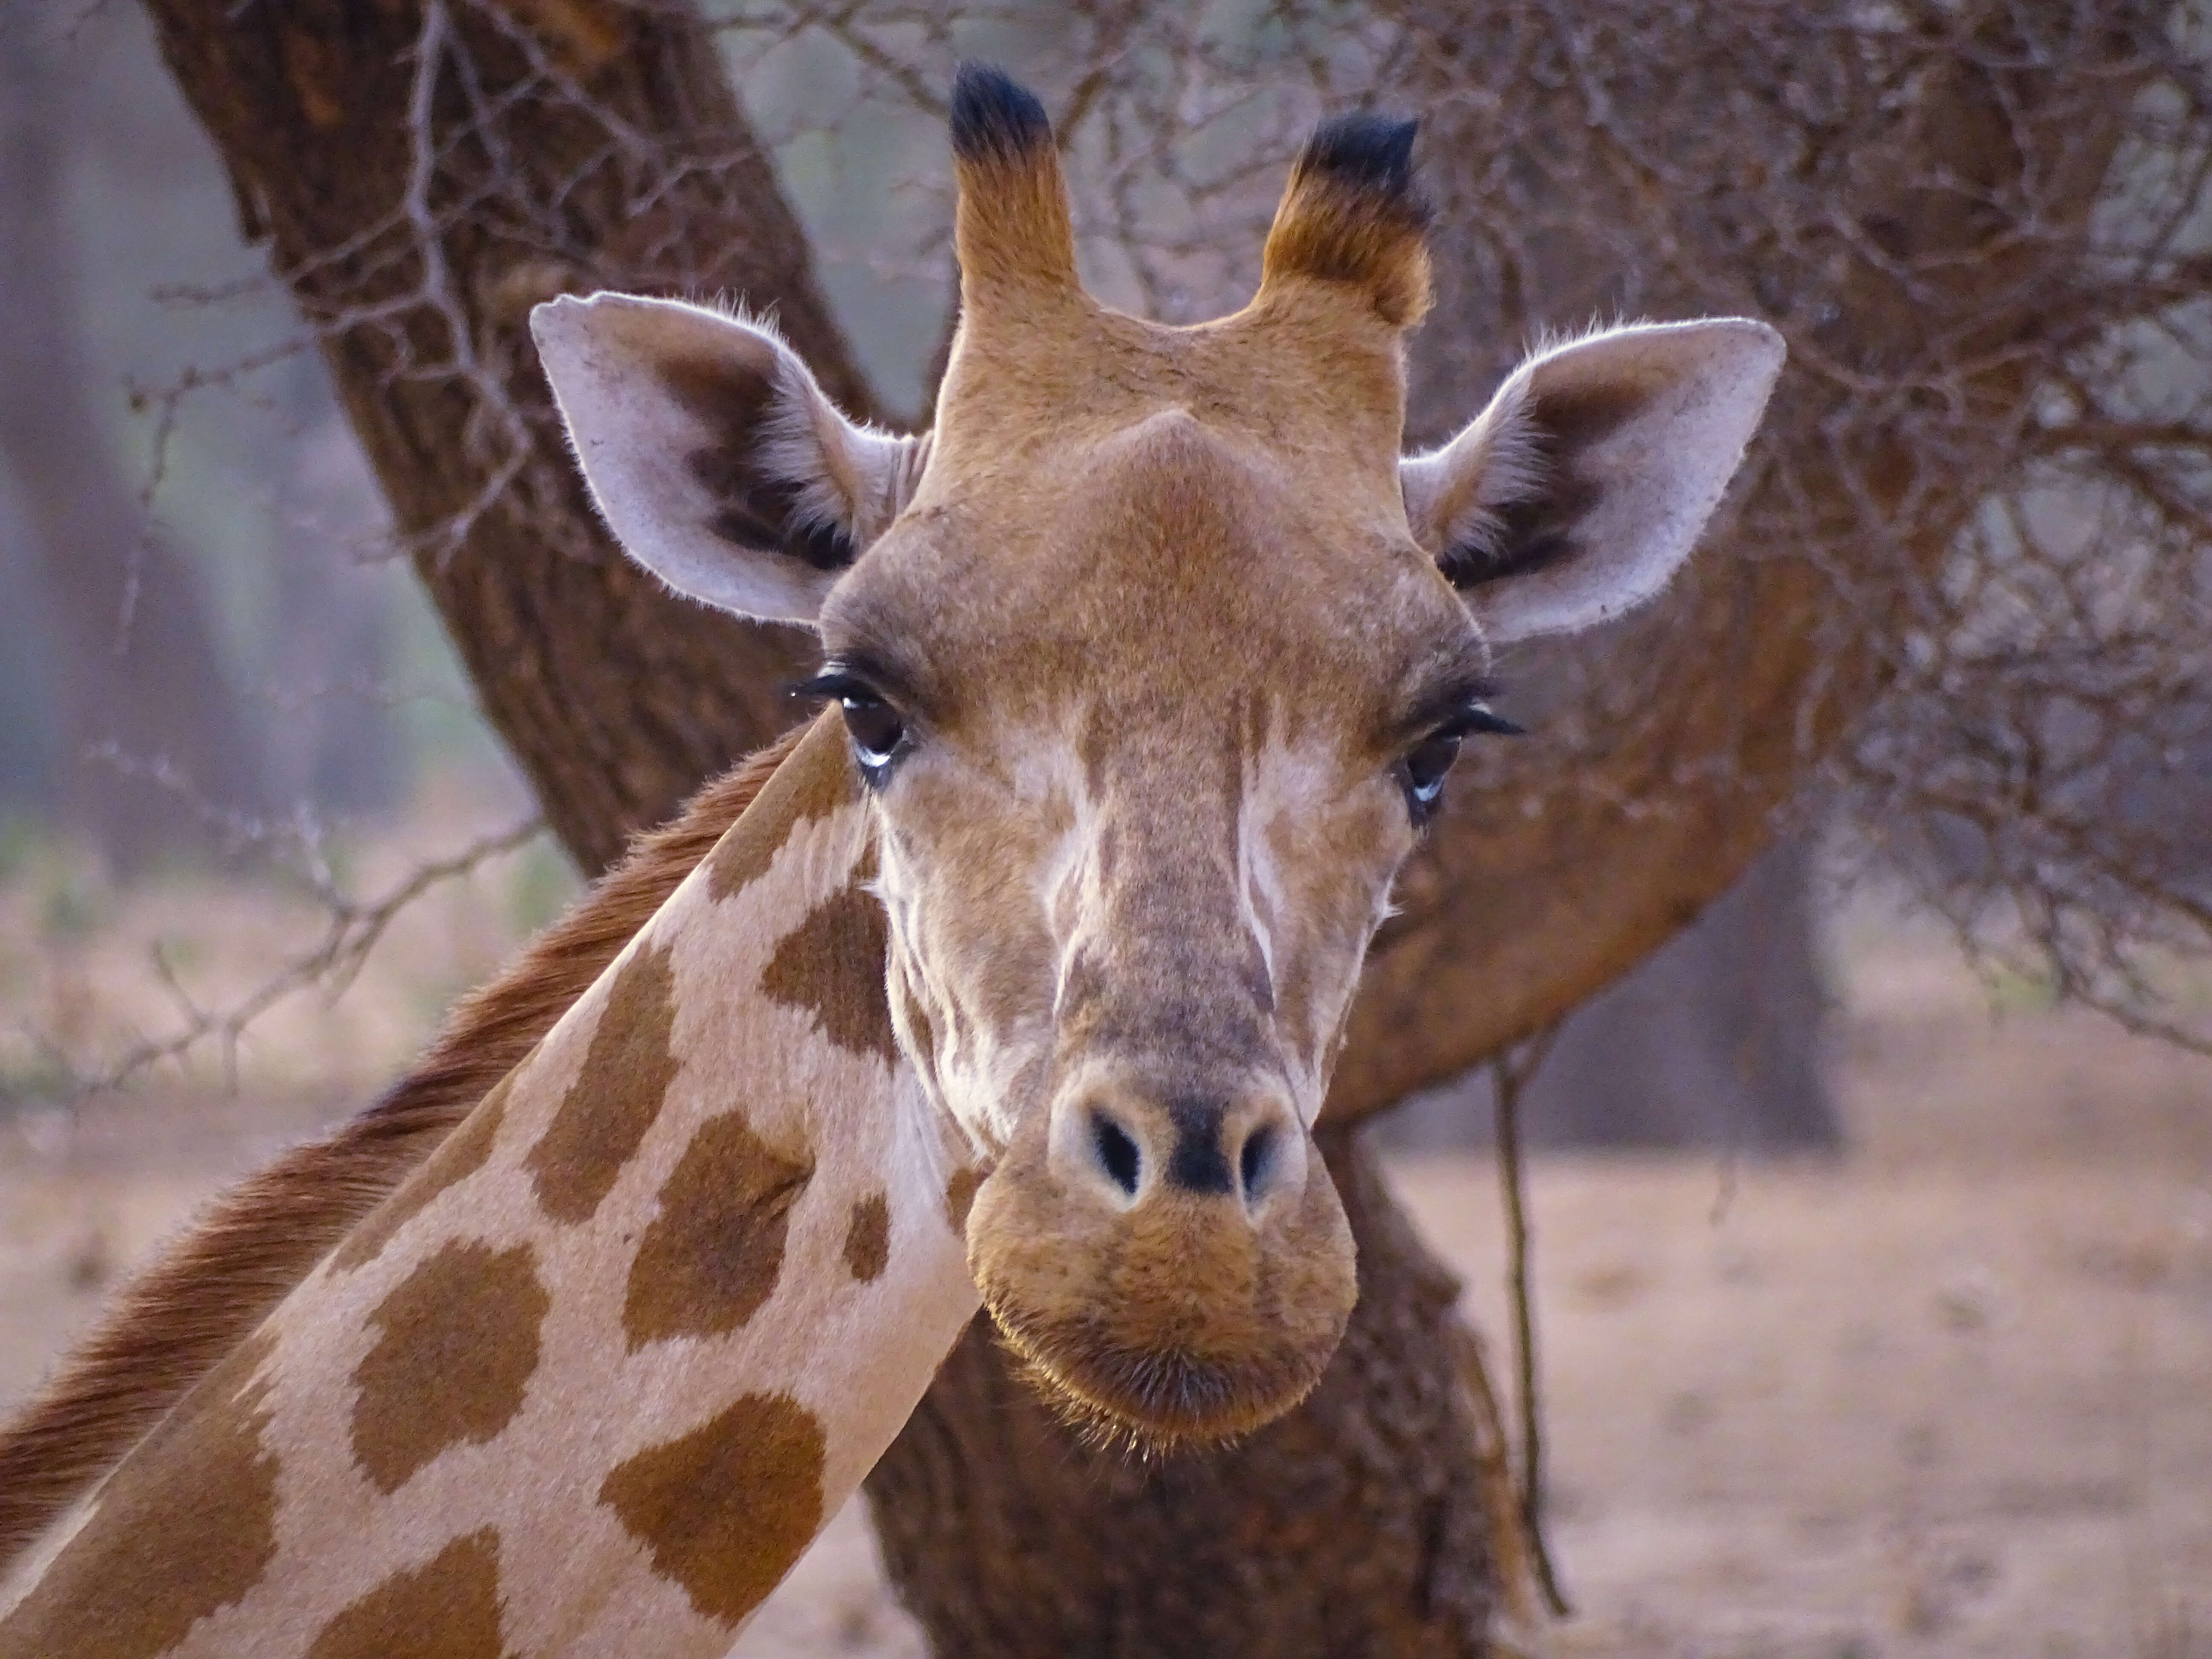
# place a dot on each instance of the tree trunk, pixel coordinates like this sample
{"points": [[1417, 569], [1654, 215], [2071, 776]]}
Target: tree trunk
{"points": [[128, 646], [1370, 1521], [416, 249], [1714, 1043], [372, 130]]}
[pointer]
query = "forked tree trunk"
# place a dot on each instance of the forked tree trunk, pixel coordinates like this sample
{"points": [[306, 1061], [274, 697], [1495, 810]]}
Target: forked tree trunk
{"points": [[1364, 1521], [418, 264]]}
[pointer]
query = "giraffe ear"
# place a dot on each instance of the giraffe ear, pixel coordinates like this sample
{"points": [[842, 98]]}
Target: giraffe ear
{"points": [[1578, 493], [718, 462]]}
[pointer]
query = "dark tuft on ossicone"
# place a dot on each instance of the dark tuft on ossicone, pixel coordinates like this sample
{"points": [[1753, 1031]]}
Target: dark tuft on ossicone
{"points": [[1372, 156], [1354, 215], [995, 117]]}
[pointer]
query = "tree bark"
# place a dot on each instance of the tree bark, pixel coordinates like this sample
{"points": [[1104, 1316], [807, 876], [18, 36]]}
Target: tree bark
{"points": [[416, 222], [1715, 1041], [416, 250], [1912, 251], [131, 647], [1370, 1521]]}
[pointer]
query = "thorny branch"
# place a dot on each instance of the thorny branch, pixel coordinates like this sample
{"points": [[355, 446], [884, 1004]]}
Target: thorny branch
{"points": [[351, 929]]}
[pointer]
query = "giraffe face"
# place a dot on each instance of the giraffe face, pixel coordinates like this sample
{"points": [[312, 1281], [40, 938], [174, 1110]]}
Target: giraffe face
{"points": [[1153, 656], [1137, 823]]}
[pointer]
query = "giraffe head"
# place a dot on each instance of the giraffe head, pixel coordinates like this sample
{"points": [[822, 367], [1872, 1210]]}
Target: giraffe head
{"points": [[1154, 654]]}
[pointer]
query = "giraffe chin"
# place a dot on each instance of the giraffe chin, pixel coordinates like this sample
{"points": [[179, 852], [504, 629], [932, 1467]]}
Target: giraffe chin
{"points": [[1177, 1322]]}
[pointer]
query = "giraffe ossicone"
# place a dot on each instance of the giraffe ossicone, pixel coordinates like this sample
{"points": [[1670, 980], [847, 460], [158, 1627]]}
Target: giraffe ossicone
{"points": [[1022, 979]]}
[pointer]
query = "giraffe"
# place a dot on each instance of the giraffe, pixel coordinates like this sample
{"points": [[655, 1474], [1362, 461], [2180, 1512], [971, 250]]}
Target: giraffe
{"points": [[593, 1378], [1020, 981]]}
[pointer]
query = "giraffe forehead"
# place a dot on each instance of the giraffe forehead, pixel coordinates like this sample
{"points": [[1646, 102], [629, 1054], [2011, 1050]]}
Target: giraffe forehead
{"points": [[1316, 384], [1171, 569]]}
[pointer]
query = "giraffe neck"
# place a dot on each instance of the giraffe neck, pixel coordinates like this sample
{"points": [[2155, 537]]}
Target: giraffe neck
{"points": [[594, 1378]]}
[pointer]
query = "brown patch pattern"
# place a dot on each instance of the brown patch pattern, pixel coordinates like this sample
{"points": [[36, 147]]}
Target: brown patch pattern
{"points": [[186, 1527], [816, 782], [960, 1197], [726, 1509], [616, 1097], [208, 1288], [446, 1608], [711, 1257], [459, 1343], [868, 1237], [460, 1155], [831, 965]]}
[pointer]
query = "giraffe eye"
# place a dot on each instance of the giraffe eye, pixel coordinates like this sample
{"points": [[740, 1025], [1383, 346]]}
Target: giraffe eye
{"points": [[1421, 774], [876, 728], [1424, 768]]}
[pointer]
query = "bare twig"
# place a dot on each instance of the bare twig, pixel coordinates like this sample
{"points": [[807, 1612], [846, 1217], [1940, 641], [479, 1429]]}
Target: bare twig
{"points": [[351, 930], [351, 927], [1510, 1073]]}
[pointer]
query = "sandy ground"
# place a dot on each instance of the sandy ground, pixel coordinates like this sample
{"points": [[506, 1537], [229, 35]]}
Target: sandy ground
{"points": [[1950, 1394]]}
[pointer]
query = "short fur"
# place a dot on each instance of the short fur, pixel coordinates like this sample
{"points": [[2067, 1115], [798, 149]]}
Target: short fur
{"points": [[1155, 637], [1162, 1330], [994, 118], [590, 1380], [1012, 228], [215, 1282]]}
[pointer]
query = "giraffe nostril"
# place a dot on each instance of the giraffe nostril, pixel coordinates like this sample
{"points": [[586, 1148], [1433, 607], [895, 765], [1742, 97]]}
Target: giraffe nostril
{"points": [[1117, 1152], [1254, 1162]]}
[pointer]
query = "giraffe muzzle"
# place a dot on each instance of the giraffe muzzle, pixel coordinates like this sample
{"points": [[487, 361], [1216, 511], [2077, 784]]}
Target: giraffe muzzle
{"points": [[1175, 1267]]}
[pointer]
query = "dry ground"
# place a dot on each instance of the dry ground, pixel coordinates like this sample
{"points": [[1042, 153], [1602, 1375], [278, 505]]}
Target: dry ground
{"points": [[1949, 1396]]}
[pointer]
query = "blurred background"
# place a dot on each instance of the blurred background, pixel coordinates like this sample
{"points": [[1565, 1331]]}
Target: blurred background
{"points": [[1874, 1207]]}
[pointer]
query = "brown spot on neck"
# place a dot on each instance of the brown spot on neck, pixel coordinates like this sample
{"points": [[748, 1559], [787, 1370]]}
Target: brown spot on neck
{"points": [[711, 1258], [816, 780], [459, 1343], [726, 1509], [868, 1237], [960, 1197], [446, 1608], [612, 1102], [832, 965], [185, 1528], [459, 1157], [920, 1030]]}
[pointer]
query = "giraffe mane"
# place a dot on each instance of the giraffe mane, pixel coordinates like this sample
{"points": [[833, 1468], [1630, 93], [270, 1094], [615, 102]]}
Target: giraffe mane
{"points": [[215, 1281]]}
